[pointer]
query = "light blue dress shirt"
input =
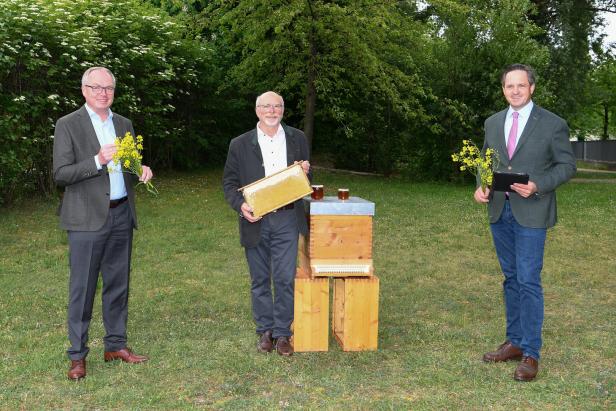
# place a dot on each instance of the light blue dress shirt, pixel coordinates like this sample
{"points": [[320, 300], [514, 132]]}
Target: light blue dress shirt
{"points": [[105, 133], [523, 116]]}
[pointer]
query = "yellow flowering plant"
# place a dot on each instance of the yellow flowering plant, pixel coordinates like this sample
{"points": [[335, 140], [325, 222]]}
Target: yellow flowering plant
{"points": [[471, 159], [129, 157]]}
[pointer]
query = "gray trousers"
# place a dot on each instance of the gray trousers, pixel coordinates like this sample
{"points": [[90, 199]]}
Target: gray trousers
{"points": [[274, 260], [107, 251]]}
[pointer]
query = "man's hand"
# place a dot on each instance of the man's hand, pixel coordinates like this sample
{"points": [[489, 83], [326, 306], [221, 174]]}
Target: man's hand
{"points": [[105, 154], [146, 174], [247, 213], [525, 190], [305, 165], [482, 197]]}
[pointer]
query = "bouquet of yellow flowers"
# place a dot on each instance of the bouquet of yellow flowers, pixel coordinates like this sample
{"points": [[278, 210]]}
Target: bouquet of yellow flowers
{"points": [[129, 157], [471, 159]]}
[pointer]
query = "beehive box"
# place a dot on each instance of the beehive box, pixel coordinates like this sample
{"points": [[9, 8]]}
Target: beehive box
{"points": [[355, 319], [339, 239]]}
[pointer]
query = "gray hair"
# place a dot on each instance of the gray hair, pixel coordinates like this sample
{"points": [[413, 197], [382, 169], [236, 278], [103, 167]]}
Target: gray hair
{"points": [[530, 72], [268, 92], [86, 75]]}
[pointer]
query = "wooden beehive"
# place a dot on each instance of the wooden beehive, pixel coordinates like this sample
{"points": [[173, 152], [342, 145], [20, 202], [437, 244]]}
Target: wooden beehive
{"points": [[339, 241], [311, 315], [338, 245], [355, 320]]}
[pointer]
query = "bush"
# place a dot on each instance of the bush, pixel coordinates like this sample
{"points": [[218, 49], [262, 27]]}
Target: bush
{"points": [[45, 46]]}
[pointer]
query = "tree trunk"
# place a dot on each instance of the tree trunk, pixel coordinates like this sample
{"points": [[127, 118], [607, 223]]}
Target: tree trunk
{"points": [[311, 92], [311, 100], [606, 122]]}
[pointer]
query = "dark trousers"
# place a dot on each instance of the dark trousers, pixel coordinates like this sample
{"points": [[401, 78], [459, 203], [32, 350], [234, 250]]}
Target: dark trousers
{"points": [[520, 253], [107, 251], [274, 260]]}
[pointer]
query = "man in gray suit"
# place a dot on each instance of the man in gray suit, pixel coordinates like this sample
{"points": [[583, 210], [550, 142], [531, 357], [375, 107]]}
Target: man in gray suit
{"points": [[270, 242], [532, 140], [98, 212]]}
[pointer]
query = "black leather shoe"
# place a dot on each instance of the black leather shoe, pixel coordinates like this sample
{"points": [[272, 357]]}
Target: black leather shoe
{"points": [[283, 346], [265, 343]]}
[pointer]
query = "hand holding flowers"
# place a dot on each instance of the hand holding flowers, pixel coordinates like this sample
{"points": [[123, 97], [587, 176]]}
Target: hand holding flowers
{"points": [[128, 156], [471, 159]]}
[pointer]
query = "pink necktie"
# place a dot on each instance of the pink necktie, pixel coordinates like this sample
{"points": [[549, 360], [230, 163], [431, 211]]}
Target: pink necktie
{"points": [[513, 134]]}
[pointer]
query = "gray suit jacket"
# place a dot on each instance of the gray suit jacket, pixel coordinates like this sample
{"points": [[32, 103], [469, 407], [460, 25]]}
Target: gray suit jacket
{"points": [[85, 204], [544, 152], [244, 165]]}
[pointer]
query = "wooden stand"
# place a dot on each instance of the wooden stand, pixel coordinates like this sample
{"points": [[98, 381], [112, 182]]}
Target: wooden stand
{"points": [[356, 313], [310, 325]]}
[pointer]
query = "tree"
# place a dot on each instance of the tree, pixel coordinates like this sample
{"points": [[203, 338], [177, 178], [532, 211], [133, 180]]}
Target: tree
{"points": [[343, 64]]}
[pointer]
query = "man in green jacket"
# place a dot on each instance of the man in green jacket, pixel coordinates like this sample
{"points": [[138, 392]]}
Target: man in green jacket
{"points": [[531, 140]]}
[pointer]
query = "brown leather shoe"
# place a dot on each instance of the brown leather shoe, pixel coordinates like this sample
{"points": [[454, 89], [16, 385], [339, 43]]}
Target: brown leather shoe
{"points": [[126, 355], [505, 352], [527, 369], [77, 370], [283, 346], [265, 343]]}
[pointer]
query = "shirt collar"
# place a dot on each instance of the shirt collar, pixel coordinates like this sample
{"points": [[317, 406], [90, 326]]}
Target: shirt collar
{"points": [[279, 132], [523, 112], [91, 112]]}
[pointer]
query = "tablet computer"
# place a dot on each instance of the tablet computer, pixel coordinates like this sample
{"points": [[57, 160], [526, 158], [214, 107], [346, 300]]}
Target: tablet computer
{"points": [[503, 181]]}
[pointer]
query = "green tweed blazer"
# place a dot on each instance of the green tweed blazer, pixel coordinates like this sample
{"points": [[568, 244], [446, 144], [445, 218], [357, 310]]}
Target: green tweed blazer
{"points": [[544, 152]]}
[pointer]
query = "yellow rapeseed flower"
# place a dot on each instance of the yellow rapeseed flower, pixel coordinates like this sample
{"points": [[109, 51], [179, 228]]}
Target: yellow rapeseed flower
{"points": [[128, 155], [471, 159]]}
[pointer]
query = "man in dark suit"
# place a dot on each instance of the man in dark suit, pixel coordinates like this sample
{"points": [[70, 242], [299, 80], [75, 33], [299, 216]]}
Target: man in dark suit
{"points": [[98, 212], [532, 140], [270, 242]]}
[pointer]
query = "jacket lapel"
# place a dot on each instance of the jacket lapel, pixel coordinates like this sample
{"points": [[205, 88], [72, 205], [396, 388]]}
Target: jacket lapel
{"points": [[501, 145], [256, 150], [119, 130], [90, 135], [290, 142]]}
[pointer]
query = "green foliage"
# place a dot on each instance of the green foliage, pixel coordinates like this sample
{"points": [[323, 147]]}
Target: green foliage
{"points": [[388, 86], [598, 117], [45, 46], [364, 56]]}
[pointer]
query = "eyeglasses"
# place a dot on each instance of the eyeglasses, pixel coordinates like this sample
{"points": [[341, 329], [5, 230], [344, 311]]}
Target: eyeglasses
{"points": [[99, 89], [270, 106]]}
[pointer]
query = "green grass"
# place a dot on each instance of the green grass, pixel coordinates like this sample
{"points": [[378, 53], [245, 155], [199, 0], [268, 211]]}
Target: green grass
{"points": [[593, 165], [440, 309]]}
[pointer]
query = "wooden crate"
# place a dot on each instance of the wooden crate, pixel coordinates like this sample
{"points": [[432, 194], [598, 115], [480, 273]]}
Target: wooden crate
{"points": [[355, 320], [311, 314]]}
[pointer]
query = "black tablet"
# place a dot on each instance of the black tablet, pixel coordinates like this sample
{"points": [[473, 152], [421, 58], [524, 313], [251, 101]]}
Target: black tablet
{"points": [[503, 181]]}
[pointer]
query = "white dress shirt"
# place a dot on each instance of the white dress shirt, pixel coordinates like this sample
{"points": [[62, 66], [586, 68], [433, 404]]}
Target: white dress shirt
{"points": [[105, 133], [274, 150], [523, 116]]}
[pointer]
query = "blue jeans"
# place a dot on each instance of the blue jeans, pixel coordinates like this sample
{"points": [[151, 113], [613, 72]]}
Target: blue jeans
{"points": [[520, 253]]}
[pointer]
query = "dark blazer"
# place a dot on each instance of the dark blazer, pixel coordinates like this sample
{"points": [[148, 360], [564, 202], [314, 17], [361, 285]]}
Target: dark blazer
{"points": [[244, 165], [544, 152], [85, 204]]}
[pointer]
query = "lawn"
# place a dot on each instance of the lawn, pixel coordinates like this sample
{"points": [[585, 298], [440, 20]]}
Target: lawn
{"points": [[440, 309]]}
